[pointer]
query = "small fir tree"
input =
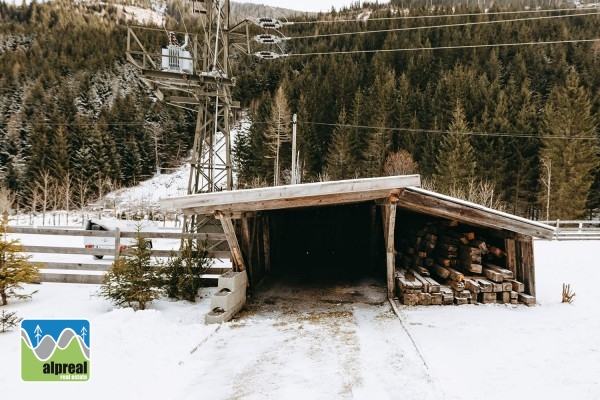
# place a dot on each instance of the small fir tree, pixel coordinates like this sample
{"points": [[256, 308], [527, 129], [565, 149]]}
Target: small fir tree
{"points": [[14, 268], [455, 163], [133, 279], [8, 320], [183, 274]]}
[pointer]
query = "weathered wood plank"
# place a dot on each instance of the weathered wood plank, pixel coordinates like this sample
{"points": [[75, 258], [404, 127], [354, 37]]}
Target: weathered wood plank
{"points": [[527, 299], [517, 286], [71, 278], [493, 275], [391, 261], [446, 207], [303, 195], [511, 256], [234, 246], [525, 250], [440, 271], [507, 274], [68, 250], [86, 233]]}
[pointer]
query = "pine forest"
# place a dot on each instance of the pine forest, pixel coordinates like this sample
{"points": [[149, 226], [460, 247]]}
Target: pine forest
{"points": [[496, 104]]}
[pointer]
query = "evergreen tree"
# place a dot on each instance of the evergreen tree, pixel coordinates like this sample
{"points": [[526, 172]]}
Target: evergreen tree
{"points": [[340, 159], [14, 268], [133, 279], [184, 274], [569, 148], [455, 165]]}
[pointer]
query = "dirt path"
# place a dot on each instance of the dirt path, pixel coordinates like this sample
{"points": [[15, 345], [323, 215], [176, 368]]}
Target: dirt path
{"points": [[317, 341]]}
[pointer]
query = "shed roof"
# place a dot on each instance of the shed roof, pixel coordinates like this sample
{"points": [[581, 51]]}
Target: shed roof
{"points": [[409, 195]]}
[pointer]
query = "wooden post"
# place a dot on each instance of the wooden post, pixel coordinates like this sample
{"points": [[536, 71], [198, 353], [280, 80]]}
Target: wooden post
{"points": [[117, 243], [234, 245], [525, 251], [390, 226], [511, 257]]}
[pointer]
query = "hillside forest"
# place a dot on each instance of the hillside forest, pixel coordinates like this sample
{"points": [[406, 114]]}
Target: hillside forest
{"points": [[461, 95]]}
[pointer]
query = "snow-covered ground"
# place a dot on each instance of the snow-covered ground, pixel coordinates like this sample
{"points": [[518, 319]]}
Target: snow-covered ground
{"points": [[340, 340]]}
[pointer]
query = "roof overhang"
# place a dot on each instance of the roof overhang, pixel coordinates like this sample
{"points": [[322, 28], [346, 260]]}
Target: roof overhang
{"points": [[292, 196], [403, 189], [439, 205]]}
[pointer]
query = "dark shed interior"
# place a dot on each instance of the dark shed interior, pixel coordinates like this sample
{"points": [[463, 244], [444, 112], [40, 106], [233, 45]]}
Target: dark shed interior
{"points": [[342, 241]]}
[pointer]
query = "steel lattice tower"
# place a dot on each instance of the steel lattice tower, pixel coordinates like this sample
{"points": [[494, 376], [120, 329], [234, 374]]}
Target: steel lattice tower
{"points": [[198, 73]]}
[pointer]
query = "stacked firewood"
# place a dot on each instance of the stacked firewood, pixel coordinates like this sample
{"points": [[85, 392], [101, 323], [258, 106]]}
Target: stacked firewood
{"points": [[443, 265]]}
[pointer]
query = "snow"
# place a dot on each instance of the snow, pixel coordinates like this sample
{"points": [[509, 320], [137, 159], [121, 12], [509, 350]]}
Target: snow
{"points": [[334, 340], [324, 340]]}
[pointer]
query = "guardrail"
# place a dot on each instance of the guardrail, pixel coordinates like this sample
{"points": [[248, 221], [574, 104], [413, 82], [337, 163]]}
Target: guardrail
{"points": [[575, 229], [76, 272]]}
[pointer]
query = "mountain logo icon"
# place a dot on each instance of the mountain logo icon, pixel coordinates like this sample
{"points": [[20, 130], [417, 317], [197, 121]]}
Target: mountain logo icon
{"points": [[55, 350]]}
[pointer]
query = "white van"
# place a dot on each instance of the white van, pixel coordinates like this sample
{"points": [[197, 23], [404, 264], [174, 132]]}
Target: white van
{"points": [[93, 242]]}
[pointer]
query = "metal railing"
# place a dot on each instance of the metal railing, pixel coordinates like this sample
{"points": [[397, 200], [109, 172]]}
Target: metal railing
{"points": [[575, 229]]}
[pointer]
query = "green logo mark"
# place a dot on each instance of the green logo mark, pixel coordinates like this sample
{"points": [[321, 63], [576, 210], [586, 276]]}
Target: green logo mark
{"points": [[55, 350]]}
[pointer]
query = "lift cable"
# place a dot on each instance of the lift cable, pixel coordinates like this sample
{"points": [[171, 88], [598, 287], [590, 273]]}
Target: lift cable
{"points": [[441, 26], [436, 16], [438, 131], [473, 46]]}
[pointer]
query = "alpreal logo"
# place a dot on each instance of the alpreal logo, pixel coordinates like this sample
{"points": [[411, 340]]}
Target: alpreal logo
{"points": [[55, 350]]}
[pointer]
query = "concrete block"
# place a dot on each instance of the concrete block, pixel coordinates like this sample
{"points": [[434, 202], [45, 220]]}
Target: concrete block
{"points": [[232, 280], [227, 300], [218, 316]]}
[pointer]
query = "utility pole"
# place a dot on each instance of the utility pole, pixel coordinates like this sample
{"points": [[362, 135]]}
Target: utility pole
{"points": [[294, 161]]}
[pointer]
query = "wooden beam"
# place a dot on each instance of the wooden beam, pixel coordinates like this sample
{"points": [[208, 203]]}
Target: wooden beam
{"points": [[527, 267], [234, 245], [476, 215], [389, 228], [511, 256], [291, 196]]}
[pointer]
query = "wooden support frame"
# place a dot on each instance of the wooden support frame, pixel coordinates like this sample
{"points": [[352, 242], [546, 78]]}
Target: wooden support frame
{"points": [[389, 227], [234, 246]]}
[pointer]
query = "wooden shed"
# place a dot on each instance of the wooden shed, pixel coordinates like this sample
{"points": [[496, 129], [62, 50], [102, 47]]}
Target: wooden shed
{"points": [[353, 226]]}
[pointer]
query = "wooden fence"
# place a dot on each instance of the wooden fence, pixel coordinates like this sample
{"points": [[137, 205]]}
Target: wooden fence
{"points": [[76, 272]]}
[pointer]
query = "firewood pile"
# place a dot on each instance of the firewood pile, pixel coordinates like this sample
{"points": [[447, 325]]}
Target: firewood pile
{"points": [[439, 265]]}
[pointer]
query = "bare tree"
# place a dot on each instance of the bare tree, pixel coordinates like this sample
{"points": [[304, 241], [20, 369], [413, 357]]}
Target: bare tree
{"points": [[400, 163], [43, 185], [7, 199], [278, 130], [82, 189], [156, 131]]}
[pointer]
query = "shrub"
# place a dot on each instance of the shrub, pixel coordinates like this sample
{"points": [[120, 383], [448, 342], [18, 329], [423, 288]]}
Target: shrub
{"points": [[183, 274], [14, 268], [133, 279], [8, 320]]}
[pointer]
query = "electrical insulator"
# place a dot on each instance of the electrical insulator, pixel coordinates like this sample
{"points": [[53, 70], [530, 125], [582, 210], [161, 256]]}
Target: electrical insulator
{"points": [[268, 39], [269, 55], [270, 23]]}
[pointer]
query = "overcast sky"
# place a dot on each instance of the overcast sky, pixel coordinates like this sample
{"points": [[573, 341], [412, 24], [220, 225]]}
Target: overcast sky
{"points": [[307, 5]]}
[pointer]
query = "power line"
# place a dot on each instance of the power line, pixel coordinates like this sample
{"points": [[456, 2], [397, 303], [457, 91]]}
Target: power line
{"points": [[407, 17], [474, 46], [441, 26], [438, 131]]}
